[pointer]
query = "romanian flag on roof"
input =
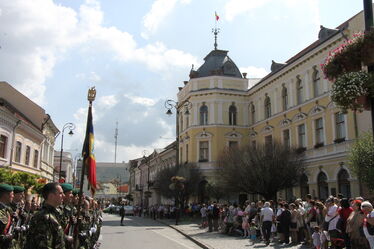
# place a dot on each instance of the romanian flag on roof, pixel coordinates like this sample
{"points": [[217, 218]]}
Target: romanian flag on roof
{"points": [[89, 161], [217, 16]]}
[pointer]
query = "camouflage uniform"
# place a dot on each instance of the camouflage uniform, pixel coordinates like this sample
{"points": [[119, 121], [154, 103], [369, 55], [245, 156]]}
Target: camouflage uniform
{"points": [[84, 231], [45, 231], [6, 221], [19, 230]]}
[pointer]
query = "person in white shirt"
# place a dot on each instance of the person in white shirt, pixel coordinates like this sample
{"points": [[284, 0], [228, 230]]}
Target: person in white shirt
{"points": [[266, 216], [332, 214], [367, 208]]}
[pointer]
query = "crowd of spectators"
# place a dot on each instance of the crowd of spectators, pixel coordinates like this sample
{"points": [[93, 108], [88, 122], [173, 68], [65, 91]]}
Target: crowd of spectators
{"points": [[337, 222]]}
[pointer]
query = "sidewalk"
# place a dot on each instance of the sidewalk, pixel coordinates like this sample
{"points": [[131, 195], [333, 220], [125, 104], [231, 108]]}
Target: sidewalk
{"points": [[216, 240]]}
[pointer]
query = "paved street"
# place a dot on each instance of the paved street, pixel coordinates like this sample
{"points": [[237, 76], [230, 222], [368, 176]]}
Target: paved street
{"points": [[144, 233], [141, 233]]}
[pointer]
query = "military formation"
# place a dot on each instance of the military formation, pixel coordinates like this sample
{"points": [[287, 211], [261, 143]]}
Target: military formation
{"points": [[58, 223]]}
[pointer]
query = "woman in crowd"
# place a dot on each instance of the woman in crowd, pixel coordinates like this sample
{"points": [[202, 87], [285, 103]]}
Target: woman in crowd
{"points": [[293, 225], [353, 224], [344, 213]]}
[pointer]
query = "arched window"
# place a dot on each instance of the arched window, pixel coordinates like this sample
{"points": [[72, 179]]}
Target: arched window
{"points": [[253, 113], [284, 98], [304, 187], [203, 115], [299, 91], [323, 187], [344, 186], [267, 105], [317, 88], [232, 115]]}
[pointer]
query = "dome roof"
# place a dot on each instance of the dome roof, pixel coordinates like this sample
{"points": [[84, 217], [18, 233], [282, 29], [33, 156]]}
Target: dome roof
{"points": [[217, 62]]}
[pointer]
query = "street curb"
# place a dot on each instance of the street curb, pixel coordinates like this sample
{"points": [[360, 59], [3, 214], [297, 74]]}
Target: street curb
{"points": [[202, 245]]}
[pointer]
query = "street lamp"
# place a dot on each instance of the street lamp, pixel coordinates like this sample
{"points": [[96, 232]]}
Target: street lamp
{"points": [[170, 104], [71, 127]]}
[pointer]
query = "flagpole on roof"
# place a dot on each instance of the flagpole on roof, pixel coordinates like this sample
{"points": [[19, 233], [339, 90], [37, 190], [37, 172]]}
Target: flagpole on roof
{"points": [[90, 97]]}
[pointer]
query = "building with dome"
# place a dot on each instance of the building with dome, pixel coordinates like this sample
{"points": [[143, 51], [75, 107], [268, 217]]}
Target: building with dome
{"points": [[292, 104]]}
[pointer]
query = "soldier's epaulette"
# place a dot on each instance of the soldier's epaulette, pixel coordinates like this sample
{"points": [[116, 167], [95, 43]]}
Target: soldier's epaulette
{"points": [[4, 216]]}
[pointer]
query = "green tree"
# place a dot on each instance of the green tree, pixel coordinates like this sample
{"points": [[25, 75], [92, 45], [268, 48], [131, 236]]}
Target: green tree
{"points": [[216, 190], [361, 159], [264, 170], [24, 179], [5, 175], [191, 175]]}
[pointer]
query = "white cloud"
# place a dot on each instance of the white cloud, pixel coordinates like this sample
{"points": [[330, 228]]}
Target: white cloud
{"points": [[234, 8], [141, 100], [308, 9], [254, 72], [159, 11], [34, 38], [108, 102]]}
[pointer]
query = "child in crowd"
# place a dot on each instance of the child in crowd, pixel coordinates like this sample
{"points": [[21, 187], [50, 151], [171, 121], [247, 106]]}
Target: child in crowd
{"points": [[253, 231], [245, 225], [316, 236]]}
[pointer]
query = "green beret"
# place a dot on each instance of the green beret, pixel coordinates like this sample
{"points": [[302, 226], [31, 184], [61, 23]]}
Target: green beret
{"points": [[18, 189], [75, 191], [66, 187], [6, 187]]}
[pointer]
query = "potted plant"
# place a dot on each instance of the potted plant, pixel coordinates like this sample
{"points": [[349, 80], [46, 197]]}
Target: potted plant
{"points": [[350, 89], [345, 58]]}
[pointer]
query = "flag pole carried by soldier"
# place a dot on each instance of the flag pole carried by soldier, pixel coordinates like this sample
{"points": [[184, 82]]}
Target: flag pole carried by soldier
{"points": [[89, 162]]}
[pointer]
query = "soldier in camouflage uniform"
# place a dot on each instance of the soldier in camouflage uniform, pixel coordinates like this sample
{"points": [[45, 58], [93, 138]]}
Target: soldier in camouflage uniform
{"points": [[85, 226], [6, 218], [68, 211], [19, 215], [45, 231]]}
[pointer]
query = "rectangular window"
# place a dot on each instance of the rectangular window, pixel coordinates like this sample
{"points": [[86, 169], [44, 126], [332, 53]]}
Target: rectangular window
{"points": [[3, 144], [339, 126], [268, 142], [254, 144], [36, 158], [204, 151], [186, 153], [301, 136], [233, 144], [17, 157], [319, 131], [27, 155], [286, 139]]}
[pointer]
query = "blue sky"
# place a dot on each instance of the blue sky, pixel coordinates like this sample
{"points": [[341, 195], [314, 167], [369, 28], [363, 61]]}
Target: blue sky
{"points": [[137, 53]]}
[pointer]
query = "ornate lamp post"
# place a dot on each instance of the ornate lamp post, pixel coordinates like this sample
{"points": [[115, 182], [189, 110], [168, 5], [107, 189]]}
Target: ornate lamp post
{"points": [[170, 104], [71, 127]]}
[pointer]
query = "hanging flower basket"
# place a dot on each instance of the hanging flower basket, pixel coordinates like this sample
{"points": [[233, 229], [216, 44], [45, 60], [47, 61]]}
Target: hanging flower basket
{"points": [[351, 90], [367, 51], [345, 58]]}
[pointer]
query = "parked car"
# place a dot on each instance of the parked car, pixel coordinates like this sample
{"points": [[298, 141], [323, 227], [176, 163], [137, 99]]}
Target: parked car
{"points": [[129, 210]]}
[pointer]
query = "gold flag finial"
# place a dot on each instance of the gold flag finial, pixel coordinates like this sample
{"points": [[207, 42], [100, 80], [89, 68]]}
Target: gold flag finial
{"points": [[91, 94]]}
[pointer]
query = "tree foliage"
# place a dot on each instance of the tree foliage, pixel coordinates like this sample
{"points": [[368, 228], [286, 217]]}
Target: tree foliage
{"points": [[216, 190], [24, 179], [260, 170], [166, 178], [361, 159]]}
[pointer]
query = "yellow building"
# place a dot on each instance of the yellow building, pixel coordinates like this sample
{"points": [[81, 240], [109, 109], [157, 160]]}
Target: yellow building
{"points": [[291, 104]]}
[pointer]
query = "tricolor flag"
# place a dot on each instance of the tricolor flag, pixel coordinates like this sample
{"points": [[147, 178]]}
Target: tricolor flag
{"points": [[89, 161], [217, 16]]}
